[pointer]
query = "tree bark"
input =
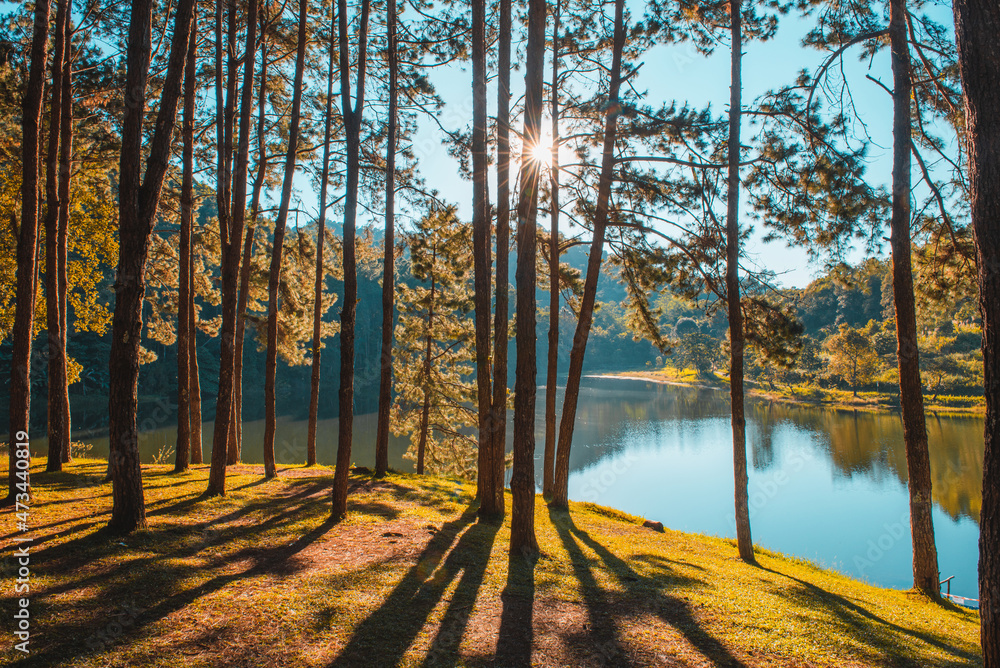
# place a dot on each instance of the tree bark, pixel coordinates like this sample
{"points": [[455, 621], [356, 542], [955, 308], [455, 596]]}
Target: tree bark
{"points": [[548, 464], [352, 131], [235, 450], [733, 299], [182, 450], [482, 264], [911, 399], [428, 350], [231, 233], [138, 201], [977, 23], [320, 238], [194, 378], [229, 180], [56, 424], [27, 252], [65, 178], [389, 256], [501, 322], [561, 481], [280, 223], [522, 480], [244, 294]]}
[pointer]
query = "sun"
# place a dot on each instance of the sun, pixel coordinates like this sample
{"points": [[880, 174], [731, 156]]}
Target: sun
{"points": [[542, 152]]}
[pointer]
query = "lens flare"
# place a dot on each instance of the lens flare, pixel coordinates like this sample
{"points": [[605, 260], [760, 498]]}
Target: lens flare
{"points": [[542, 153]]}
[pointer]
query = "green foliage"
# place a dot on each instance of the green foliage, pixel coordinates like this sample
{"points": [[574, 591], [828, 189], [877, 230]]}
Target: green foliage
{"points": [[852, 356], [694, 348], [434, 355]]}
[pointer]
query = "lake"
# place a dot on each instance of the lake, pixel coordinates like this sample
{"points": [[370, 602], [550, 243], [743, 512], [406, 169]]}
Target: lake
{"points": [[825, 485]]}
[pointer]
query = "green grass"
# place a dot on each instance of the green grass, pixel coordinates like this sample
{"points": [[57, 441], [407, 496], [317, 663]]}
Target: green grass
{"points": [[262, 577]]}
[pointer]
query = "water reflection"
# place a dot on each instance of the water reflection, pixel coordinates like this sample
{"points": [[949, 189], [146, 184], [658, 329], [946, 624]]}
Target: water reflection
{"points": [[825, 485], [871, 444]]}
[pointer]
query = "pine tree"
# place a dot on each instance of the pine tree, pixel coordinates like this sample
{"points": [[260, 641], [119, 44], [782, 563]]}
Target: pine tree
{"points": [[561, 480], [434, 350], [27, 243], [230, 230], [58, 425], [185, 331], [976, 26], [352, 115], [291, 157], [137, 206], [522, 478], [389, 248], [734, 301], [320, 238], [501, 314]]}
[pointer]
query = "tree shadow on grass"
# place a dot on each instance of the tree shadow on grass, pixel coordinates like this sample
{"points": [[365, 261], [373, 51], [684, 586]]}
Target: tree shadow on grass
{"points": [[516, 635], [876, 633], [376, 508], [602, 636], [642, 594], [390, 630], [147, 583]]}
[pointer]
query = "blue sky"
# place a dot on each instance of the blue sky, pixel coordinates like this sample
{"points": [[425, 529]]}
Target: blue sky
{"points": [[679, 72]]}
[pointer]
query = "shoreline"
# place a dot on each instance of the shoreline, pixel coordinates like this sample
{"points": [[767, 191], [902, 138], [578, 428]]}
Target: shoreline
{"points": [[880, 405]]}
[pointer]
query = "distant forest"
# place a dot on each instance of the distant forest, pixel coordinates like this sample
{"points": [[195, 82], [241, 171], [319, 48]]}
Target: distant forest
{"points": [[847, 338], [614, 346]]}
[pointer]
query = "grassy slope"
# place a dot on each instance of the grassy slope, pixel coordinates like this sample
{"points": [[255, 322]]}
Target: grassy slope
{"points": [[262, 577], [814, 395]]}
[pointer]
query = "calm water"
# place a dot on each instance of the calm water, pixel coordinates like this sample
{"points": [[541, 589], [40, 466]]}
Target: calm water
{"points": [[825, 485]]}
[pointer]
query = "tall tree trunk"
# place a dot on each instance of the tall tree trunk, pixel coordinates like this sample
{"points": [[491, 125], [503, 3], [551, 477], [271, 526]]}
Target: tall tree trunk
{"points": [[65, 178], [425, 413], [733, 299], [194, 377], [389, 256], [183, 449], [245, 266], [56, 425], [481, 262], [428, 350], [977, 23], [27, 254], [230, 238], [235, 451], [911, 398], [561, 481], [548, 463], [232, 72], [138, 201], [501, 316], [522, 479], [352, 131], [320, 238], [270, 469]]}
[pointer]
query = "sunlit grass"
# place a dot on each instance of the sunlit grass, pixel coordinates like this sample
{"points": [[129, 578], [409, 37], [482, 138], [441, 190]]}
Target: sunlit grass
{"points": [[262, 577]]}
